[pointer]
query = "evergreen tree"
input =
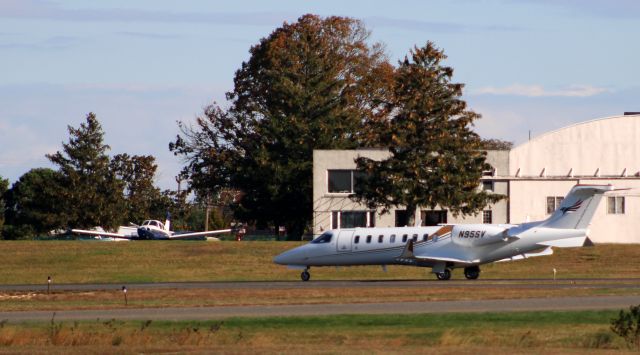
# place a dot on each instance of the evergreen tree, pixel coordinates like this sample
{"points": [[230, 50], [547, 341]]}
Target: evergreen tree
{"points": [[91, 193], [33, 205], [435, 157], [4, 186], [312, 84]]}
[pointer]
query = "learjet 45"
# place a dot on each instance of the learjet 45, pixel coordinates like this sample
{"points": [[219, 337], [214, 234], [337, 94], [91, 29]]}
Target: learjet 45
{"points": [[446, 247]]}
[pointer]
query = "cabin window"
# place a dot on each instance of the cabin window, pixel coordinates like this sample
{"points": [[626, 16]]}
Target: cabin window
{"points": [[425, 237], [380, 238], [415, 238], [392, 239], [324, 238], [357, 240], [404, 238], [615, 205], [368, 239]]}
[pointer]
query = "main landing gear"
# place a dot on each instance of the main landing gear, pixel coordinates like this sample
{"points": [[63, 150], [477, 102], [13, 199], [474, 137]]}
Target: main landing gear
{"points": [[445, 275], [305, 275], [472, 272]]}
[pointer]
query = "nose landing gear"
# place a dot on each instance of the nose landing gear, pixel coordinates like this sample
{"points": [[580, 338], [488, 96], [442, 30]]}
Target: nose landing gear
{"points": [[305, 275]]}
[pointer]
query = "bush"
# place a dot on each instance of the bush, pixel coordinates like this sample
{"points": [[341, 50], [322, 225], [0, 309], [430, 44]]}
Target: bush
{"points": [[627, 325]]}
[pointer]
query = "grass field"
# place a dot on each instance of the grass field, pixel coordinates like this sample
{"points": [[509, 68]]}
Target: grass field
{"points": [[30, 262], [528, 332]]}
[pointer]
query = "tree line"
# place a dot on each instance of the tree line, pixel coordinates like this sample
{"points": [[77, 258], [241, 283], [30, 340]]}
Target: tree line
{"points": [[89, 188], [316, 83]]}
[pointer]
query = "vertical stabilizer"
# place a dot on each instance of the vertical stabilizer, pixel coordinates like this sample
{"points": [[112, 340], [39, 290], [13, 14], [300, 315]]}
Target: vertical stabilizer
{"points": [[167, 222], [578, 207]]}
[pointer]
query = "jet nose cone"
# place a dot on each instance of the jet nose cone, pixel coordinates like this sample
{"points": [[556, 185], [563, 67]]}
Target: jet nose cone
{"points": [[290, 257]]}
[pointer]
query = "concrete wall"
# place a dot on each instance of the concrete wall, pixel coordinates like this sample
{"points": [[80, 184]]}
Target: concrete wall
{"points": [[324, 203]]}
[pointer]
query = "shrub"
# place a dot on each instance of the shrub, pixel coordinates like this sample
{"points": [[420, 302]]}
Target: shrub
{"points": [[627, 325]]}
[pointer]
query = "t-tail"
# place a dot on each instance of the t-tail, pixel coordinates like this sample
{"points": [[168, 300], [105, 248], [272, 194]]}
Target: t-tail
{"points": [[167, 222], [577, 208]]}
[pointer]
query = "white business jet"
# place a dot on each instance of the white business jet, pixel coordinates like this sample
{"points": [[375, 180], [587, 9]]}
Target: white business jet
{"points": [[443, 248], [148, 230]]}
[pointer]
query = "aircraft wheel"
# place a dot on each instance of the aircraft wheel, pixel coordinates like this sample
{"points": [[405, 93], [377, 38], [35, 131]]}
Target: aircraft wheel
{"points": [[445, 275], [472, 272], [305, 275]]}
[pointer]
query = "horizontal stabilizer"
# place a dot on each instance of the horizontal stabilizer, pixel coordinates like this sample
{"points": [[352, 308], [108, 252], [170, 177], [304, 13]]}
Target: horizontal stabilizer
{"points": [[566, 242]]}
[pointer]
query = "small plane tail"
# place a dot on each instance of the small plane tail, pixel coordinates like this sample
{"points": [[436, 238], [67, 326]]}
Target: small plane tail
{"points": [[577, 208], [167, 222]]}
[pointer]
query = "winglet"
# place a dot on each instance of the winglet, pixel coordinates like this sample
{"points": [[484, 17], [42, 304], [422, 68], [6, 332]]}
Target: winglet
{"points": [[588, 242], [407, 253]]}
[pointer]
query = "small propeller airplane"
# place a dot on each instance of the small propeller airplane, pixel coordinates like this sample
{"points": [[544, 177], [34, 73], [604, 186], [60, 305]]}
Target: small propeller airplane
{"points": [[149, 230], [445, 247]]}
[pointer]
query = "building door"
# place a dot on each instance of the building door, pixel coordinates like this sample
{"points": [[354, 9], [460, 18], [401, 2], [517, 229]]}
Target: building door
{"points": [[344, 241]]}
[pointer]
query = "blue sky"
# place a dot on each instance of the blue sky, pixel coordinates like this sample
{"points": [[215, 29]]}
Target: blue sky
{"points": [[143, 65]]}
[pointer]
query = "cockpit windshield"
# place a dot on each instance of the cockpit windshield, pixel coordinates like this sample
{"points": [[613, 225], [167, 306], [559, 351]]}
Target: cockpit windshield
{"points": [[324, 238]]}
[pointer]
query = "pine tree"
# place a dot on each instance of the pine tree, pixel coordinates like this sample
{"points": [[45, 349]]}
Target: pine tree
{"points": [[91, 193], [435, 157]]}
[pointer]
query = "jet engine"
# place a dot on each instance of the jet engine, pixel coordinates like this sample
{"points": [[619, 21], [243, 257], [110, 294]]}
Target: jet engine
{"points": [[478, 234]]}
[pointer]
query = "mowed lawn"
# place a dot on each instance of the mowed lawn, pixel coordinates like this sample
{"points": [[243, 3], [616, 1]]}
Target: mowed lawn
{"points": [[30, 262], [489, 333]]}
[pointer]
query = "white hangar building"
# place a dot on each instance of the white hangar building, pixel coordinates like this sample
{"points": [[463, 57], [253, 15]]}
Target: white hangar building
{"points": [[534, 176]]}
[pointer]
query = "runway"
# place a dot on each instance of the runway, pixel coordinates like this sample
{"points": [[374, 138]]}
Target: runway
{"points": [[633, 283], [207, 313]]}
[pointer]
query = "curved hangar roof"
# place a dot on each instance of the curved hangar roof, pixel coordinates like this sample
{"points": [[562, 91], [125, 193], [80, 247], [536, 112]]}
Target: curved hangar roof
{"points": [[608, 146]]}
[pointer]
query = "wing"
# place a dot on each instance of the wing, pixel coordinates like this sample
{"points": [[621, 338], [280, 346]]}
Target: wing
{"points": [[409, 257], [199, 234], [100, 234]]}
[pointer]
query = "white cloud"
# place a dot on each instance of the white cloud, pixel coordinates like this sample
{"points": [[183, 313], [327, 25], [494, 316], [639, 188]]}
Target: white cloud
{"points": [[541, 91]]}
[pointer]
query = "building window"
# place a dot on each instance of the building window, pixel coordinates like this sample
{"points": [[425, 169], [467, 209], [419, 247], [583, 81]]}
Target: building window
{"points": [[487, 217], [487, 185], [615, 204], [553, 203], [352, 219], [433, 218], [402, 218], [343, 181]]}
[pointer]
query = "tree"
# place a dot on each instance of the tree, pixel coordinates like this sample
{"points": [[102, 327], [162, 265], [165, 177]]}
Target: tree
{"points": [[33, 205], [496, 144], [4, 186], [142, 198], [91, 193], [435, 157], [313, 84]]}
